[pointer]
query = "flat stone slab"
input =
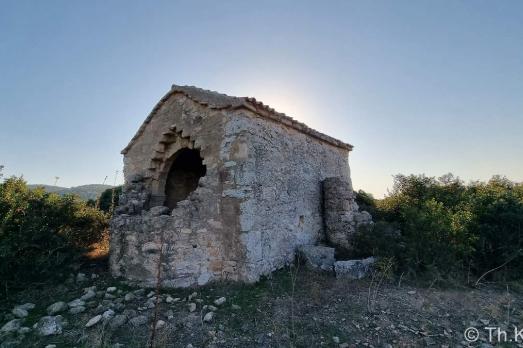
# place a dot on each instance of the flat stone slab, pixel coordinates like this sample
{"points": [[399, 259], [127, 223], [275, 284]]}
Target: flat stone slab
{"points": [[317, 257], [353, 269]]}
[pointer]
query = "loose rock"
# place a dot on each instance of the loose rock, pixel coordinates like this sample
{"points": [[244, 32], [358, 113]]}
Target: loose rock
{"points": [[11, 326], [20, 312], [80, 278], [192, 307], [317, 257], [49, 325], [208, 317], [220, 301], [24, 330], [353, 269], [139, 320], [108, 314], [76, 303], [88, 295], [129, 297], [27, 306], [57, 307], [77, 310], [93, 321]]}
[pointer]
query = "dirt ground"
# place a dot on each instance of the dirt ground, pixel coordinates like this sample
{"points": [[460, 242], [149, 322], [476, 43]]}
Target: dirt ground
{"points": [[293, 308]]}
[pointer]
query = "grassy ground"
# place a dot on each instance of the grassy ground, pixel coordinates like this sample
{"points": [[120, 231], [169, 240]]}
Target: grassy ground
{"points": [[293, 308]]}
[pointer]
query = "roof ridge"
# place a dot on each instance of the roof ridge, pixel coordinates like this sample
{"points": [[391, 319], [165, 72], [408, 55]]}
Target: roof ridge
{"points": [[220, 101]]}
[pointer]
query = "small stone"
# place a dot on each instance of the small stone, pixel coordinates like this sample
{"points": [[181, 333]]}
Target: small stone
{"points": [[139, 320], [212, 308], [88, 295], [129, 297], [139, 292], [77, 310], [117, 321], [236, 307], [27, 306], [111, 289], [412, 292], [11, 326], [193, 295], [208, 317], [108, 314], [429, 341], [220, 301], [109, 296], [20, 312], [23, 330], [160, 324], [192, 307], [76, 303], [169, 299], [189, 346], [336, 339], [51, 346], [57, 307], [94, 320], [151, 294], [344, 345], [49, 325], [80, 278]]}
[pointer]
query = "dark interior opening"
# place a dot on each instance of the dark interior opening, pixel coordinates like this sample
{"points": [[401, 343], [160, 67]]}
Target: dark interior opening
{"points": [[183, 177]]}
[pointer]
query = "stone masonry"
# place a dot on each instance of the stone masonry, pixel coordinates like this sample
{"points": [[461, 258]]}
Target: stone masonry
{"points": [[226, 188]]}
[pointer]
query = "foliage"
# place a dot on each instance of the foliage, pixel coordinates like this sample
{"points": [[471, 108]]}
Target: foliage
{"points": [[442, 227], [41, 233], [107, 203]]}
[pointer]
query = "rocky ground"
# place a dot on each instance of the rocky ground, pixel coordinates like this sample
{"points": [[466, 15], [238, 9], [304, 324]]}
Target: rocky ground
{"points": [[293, 308]]}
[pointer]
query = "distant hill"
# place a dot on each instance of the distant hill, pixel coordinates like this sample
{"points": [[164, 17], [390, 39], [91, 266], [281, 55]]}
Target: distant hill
{"points": [[85, 192]]}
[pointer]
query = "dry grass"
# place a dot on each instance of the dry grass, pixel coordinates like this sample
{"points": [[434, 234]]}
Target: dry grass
{"points": [[100, 250]]}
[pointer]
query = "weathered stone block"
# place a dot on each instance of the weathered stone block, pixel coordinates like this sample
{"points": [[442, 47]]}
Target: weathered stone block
{"points": [[353, 269], [317, 257]]}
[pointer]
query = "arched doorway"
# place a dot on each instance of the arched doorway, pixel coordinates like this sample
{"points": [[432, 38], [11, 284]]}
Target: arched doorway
{"points": [[184, 174]]}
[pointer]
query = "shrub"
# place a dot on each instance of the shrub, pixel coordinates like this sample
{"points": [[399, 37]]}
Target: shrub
{"points": [[444, 227], [107, 202], [41, 233]]}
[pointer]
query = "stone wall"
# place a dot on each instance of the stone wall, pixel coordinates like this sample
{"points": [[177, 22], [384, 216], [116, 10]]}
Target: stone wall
{"points": [[278, 173], [200, 237], [341, 214]]}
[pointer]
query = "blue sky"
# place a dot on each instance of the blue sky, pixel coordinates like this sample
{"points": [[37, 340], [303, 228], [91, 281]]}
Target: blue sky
{"points": [[416, 86]]}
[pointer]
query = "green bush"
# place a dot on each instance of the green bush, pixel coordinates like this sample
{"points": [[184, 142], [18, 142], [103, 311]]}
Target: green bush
{"points": [[107, 202], [444, 228], [41, 233]]}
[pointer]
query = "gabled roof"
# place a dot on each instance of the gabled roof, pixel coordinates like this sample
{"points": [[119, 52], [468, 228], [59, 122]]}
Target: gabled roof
{"points": [[218, 101]]}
